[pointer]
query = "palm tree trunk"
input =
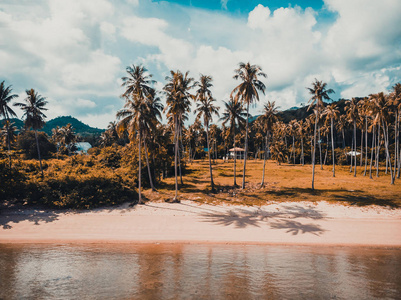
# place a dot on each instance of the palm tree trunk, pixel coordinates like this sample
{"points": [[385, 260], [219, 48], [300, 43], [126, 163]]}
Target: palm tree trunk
{"points": [[210, 159], [398, 144], [320, 152], [139, 170], [366, 145], [351, 158], [147, 163], [314, 153], [355, 148], [387, 154], [37, 147], [372, 151], [361, 159], [302, 151], [293, 147], [332, 147], [179, 152], [246, 145], [264, 161], [176, 157], [235, 160], [386, 142], [378, 150]]}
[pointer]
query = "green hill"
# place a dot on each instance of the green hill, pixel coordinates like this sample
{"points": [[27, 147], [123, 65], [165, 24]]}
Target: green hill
{"points": [[79, 127]]}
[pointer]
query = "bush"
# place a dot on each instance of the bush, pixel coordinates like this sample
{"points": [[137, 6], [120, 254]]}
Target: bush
{"points": [[27, 143]]}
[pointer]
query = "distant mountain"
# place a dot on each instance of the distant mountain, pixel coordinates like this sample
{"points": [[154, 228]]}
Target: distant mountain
{"points": [[79, 127]]}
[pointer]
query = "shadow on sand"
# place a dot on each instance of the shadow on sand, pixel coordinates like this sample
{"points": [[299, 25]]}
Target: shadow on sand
{"points": [[36, 216]]}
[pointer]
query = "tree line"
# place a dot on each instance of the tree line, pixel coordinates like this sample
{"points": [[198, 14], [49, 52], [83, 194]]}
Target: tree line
{"points": [[337, 132]]}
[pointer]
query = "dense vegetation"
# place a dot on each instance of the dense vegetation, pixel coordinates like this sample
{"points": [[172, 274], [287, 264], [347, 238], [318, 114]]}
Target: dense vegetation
{"points": [[139, 150]]}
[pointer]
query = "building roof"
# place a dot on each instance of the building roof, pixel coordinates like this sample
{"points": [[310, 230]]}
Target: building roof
{"points": [[236, 149]]}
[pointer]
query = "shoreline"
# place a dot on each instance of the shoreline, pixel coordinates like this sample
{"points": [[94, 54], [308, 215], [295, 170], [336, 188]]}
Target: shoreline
{"points": [[286, 223]]}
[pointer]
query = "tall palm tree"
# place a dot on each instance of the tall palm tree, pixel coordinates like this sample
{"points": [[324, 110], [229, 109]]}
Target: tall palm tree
{"points": [[6, 111], [269, 118], [177, 90], [353, 115], [319, 93], [332, 113], [234, 114], [247, 92], [396, 102], [205, 109], [34, 117], [137, 89]]}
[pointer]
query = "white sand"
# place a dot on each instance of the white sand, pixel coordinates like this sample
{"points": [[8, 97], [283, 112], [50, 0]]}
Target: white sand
{"points": [[302, 223]]}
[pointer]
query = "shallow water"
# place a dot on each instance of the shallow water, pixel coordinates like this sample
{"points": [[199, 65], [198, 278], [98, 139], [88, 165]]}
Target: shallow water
{"points": [[125, 271]]}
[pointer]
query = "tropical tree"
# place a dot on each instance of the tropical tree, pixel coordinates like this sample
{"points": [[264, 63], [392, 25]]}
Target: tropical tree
{"points": [[396, 102], [269, 118], [332, 113], [319, 93], [205, 109], [353, 115], [34, 117], [247, 92], [136, 109], [6, 111], [177, 91], [234, 113]]}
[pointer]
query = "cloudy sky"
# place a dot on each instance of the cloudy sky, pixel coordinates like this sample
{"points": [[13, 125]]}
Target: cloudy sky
{"points": [[74, 52]]}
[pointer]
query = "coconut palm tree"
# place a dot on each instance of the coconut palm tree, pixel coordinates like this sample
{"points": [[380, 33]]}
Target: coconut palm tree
{"points": [[234, 113], [247, 92], [353, 115], [332, 113], [34, 117], [319, 93], [6, 111], [205, 109], [396, 102], [136, 109], [269, 118], [177, 91]]}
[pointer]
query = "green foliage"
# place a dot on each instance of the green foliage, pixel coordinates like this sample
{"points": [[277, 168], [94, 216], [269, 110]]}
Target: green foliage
{"points": [[27, 143]]}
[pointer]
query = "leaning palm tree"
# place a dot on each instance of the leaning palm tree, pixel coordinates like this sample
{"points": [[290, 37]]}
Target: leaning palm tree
{"points": [[205, 109], [332, 113], [34, 117], [269, 118], [137, 88], [6, 111], [247, 92], [319, 93], [178, 96], [234, 114]]}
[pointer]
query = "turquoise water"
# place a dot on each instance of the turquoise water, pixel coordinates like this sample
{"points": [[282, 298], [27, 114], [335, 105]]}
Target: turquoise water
{"points": [[125, 271]]}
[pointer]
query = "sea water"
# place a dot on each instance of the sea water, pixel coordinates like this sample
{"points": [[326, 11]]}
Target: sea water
{"points": [[191, 271]]}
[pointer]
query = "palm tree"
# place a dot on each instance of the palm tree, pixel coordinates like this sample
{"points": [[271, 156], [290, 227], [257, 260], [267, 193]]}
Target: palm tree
{"points": [[353, 115], [34, 117], [396, 102], [269, 118], [247, 92], [68, 137], [332, 113], [135, 111], [319, 93], [6, 111], [206, 109], [234, 114], [178, 104]]}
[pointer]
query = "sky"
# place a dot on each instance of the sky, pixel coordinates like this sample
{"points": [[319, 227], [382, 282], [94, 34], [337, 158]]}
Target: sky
{"points": [[75, 52]]}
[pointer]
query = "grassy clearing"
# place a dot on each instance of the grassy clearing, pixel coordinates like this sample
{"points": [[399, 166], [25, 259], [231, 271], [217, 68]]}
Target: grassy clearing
{"points": [[282, 183]]}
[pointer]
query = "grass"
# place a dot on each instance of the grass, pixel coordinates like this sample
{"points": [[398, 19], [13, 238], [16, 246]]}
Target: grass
{"points": [[282, 183]]}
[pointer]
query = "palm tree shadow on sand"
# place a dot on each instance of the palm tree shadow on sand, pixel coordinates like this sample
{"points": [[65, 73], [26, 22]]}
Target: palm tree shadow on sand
{"points": [[32, 215], [279, 219]]}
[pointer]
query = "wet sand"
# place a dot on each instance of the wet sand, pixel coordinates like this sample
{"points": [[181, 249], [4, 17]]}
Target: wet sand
{"points": [[298, 223]]}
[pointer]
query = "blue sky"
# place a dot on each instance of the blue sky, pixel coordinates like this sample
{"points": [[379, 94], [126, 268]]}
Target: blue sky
{"points": [[75, 52]]}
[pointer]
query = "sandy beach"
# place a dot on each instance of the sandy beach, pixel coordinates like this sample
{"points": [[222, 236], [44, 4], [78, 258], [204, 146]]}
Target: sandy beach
{"points": [[299, 223]]}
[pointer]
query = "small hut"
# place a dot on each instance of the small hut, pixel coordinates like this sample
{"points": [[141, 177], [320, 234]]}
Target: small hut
{"points": [[240, 152]]}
